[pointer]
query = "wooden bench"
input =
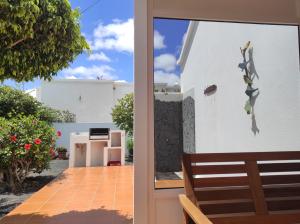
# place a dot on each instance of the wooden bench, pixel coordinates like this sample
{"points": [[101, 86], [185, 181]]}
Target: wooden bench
{"points": [[242, 188]]}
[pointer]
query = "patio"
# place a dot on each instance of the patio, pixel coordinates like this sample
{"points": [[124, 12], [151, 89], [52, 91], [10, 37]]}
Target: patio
{"points": [[80, 195]]}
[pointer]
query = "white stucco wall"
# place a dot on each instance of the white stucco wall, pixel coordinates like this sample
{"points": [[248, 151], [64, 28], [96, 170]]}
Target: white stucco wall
{"points": [[121, 89], [90, 100], [221, 121]]}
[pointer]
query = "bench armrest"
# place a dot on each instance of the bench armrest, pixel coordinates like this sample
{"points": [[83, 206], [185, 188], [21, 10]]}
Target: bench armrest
{"points": [[193, 211]]}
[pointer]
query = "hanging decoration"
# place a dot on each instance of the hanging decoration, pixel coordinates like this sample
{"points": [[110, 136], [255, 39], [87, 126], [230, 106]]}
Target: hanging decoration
{"points": [[248, 77]]}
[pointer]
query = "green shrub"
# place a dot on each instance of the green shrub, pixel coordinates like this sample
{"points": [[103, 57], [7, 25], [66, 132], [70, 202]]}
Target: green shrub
{"points": [[53, 115], [61, 149], [26, 144], [14, 102], [65, 116], [130, 146]]}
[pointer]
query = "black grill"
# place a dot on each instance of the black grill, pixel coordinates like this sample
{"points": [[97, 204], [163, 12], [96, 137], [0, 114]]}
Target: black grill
{"points": [[99, 133]]}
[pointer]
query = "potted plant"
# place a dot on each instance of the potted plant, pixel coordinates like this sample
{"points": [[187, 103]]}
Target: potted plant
{"points": [[53, 154], [62, 152]]}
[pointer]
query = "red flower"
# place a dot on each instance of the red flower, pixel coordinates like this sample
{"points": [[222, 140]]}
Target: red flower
{"points": [[37, 141], [13, 138], [58, 133], [27, 147]]}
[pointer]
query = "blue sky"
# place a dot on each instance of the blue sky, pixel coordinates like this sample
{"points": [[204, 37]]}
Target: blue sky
{"points": [[108, 27], [166, 55]]}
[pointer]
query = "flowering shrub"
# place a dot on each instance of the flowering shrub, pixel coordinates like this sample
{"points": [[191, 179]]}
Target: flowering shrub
{"points": [[26, 145]]}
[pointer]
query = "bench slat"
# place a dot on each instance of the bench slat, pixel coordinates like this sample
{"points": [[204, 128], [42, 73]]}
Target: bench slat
{"points": [[281, 205], [279, 167], [224, 208], [280, 179], [282, 191], [247, 156], [218, 169], [221, 182], [225, 194]]}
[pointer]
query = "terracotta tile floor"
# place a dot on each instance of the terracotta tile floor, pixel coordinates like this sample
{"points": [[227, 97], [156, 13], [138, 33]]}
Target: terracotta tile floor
{"points": [[80, 196]]}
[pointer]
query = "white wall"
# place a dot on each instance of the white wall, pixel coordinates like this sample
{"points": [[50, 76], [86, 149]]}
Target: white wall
{"points": [[90, 100], [35, 93], [167, 206], [221, 121], [121, 89]]}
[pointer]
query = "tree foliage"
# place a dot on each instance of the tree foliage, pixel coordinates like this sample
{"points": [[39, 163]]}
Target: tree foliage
{"points": [[38, 38], [15, 102], [26, 144], [122, 114], [63, 116], [129, 145]]}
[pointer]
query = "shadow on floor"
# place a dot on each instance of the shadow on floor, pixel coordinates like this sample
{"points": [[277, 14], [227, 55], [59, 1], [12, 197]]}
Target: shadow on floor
{"points": [[59, 179], [33, 183], [96, 216]]}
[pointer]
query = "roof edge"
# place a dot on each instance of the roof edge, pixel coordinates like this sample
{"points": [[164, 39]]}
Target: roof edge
{"points": [[187, 43], [95, 81]]}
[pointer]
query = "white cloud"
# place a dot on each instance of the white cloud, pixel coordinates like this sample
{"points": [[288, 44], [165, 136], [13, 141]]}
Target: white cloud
{"points": [[99, 57], [104, 72], [116, 20], [159, 40], [70, 77], [166, 62], [166, 77], [121, 81], [118, 35]]}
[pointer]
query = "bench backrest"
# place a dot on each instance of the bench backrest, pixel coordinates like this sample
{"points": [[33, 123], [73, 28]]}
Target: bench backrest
{"points": [[249, 183]]}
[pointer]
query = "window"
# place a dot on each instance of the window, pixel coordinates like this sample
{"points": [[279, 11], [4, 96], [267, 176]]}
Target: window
{"points": [[222, 87]]}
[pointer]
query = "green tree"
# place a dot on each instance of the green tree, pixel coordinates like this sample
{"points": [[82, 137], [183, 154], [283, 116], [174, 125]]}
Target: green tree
{"points": [[38, 38], [122, 114], [15, 102]]}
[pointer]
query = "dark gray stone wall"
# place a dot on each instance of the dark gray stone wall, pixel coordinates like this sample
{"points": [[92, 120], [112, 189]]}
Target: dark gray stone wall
{"points": [[188, 119], [168, 138]]}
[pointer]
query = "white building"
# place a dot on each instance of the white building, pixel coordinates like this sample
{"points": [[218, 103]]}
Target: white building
{"points": [[211, 55], [91, 100], [164, 87], [35, 93]]}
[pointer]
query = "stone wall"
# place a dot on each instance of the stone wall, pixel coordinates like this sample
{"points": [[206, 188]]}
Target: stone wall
{"points": [[168, 135], [188, 119], [174, 129]]}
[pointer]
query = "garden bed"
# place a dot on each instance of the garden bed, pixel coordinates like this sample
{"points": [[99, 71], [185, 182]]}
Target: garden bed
{"points": [[34, 182]]}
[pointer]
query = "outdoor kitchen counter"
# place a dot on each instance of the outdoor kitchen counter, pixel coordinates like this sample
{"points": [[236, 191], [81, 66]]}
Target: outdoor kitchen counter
{"points": [[86, 152]]}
